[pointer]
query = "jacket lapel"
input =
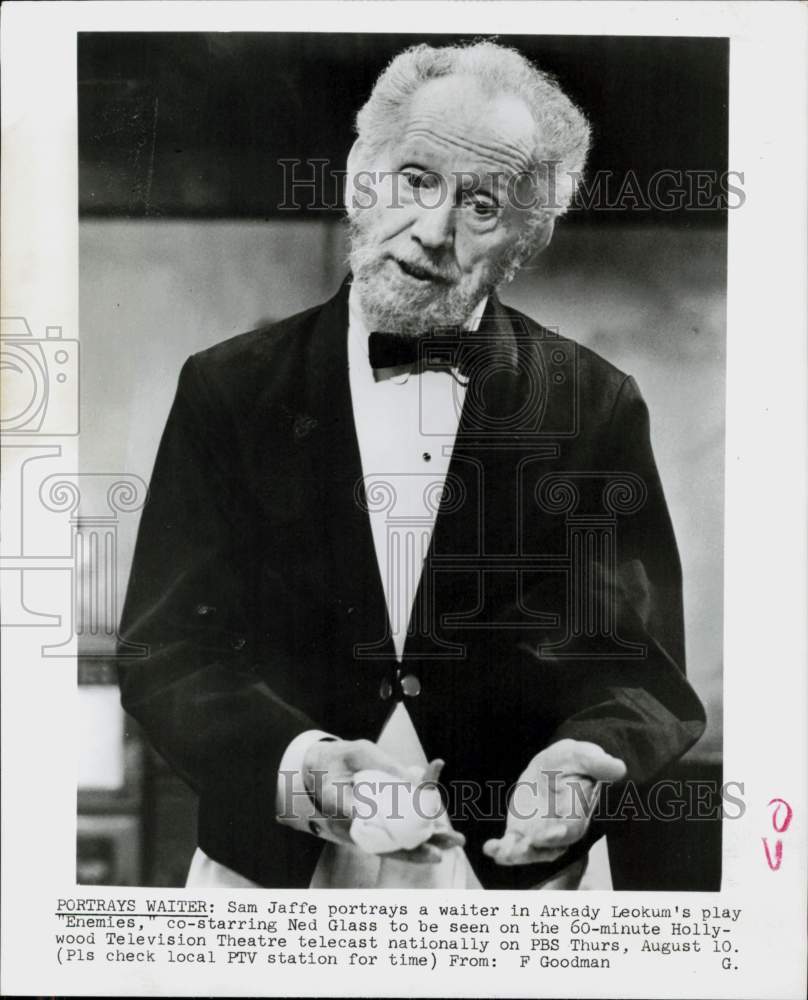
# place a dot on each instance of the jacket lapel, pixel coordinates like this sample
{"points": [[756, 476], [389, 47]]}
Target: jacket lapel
{"points": [[335, 456], [480, 513]]}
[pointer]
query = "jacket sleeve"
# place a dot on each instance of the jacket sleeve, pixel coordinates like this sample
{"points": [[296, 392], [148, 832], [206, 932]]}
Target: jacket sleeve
{"points": [[642, 709], [197, 693]]}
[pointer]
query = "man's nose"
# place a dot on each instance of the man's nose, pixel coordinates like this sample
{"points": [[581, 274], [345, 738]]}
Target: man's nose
{"points": [[434, 224]]}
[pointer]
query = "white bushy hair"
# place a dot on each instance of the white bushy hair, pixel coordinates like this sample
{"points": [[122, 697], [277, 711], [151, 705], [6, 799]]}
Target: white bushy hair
{"points": [[562, 130]]}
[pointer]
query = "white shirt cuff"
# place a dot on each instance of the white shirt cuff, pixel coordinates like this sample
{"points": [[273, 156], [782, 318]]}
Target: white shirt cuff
{"points": [[294, 806]]}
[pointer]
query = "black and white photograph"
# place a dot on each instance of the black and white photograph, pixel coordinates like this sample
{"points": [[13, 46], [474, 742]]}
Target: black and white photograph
{"points": [[403, 499], [450, 515]]}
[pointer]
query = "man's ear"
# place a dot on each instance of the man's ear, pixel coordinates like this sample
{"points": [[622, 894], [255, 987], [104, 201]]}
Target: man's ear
{"points": [[351, 168], [544, 235], [541, 239], [353, 157]]}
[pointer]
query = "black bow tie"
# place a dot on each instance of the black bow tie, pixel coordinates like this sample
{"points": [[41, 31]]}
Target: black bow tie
{"points": [[395, 353]]}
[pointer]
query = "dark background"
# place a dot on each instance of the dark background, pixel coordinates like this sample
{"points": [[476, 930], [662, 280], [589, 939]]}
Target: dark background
{"points": [[194, 124], [182, 245]]}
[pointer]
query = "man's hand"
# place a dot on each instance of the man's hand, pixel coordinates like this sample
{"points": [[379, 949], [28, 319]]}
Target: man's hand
{"points": [[552, 803], [328, 771]]}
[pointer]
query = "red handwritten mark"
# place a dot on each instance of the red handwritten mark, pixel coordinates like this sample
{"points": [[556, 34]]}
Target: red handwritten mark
{"points": [[784, 824], [781, 820], [778, 854]]}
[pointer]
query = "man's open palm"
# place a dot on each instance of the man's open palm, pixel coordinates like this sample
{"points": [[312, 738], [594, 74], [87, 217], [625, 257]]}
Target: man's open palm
{"points": [[552, 802]]}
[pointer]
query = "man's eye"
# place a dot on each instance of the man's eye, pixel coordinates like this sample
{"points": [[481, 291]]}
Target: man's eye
{"points": [[419, 180], [481, 207]]}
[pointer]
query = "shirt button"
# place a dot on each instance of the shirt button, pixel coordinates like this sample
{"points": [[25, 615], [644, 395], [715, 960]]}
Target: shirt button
{"points": [[426, 456], [410, 685]]}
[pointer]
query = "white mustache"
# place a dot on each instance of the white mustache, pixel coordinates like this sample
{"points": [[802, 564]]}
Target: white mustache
{"points": [[367, 255], [425, 270]]}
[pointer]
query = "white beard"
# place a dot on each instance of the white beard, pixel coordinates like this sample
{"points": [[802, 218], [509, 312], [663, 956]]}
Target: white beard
{"points": [[393, 301]]}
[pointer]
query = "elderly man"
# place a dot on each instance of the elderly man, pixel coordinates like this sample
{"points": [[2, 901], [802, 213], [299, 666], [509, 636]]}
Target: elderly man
{"points": [[412, 524]]}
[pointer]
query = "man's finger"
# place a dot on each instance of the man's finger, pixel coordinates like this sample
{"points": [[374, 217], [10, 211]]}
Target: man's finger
{"points": [[366, 756], [501, 846], [547, 834], [594, 762], [340, 829], [432, 772], [512, 849], [447, 839], [425, 854], [554, 835], [535, 856], [335, 800]]}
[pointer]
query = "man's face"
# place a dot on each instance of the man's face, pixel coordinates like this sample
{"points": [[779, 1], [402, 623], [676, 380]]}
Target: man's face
{"points": [[442, 214]]}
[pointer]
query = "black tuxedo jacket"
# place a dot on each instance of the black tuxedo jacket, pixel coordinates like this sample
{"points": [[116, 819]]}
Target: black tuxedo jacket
{"points": [[549, 606]]}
